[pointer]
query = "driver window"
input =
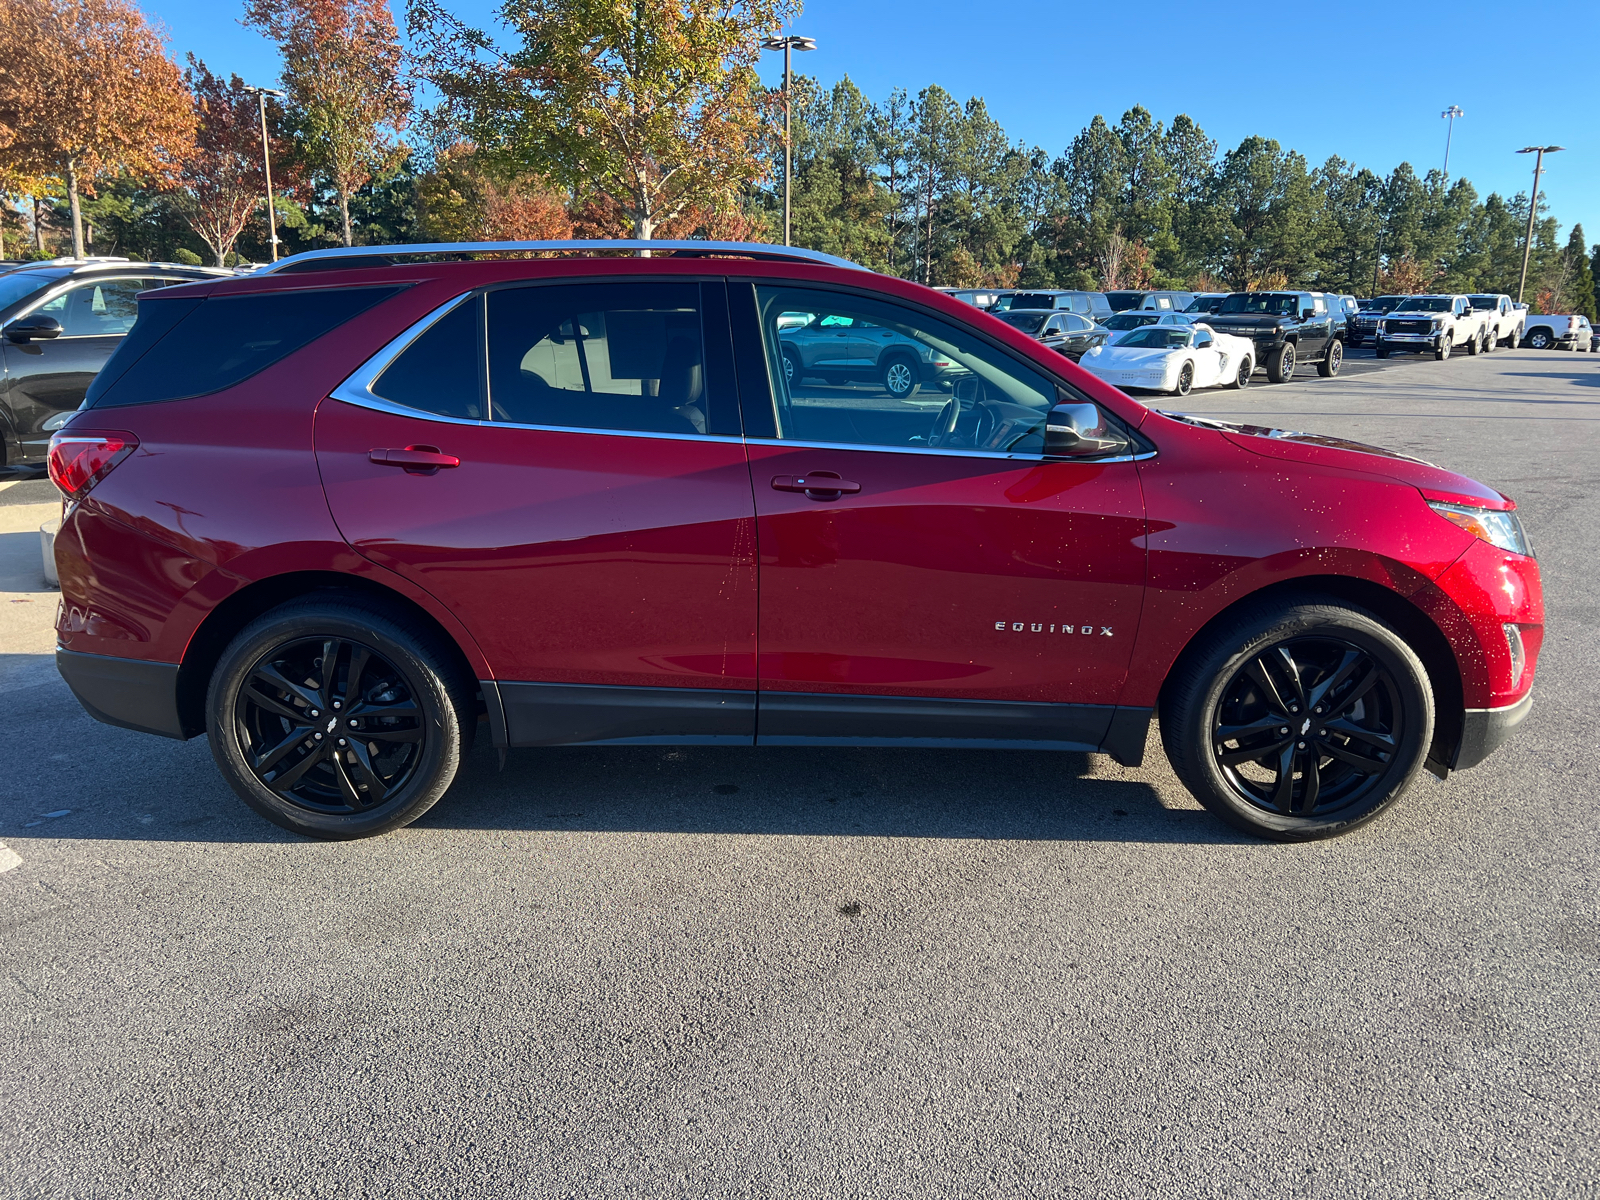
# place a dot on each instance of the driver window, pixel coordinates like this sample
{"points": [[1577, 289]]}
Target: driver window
{"points": [[906, 380]]}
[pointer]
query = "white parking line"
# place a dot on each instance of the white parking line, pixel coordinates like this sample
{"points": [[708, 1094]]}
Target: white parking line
{"points": [[8, 858]]}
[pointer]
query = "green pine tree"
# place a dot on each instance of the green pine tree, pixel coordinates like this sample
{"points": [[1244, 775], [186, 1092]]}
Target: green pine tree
{"points": [[1583, 297]]}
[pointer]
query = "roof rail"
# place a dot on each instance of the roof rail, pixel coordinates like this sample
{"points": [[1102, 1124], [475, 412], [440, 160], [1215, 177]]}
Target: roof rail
{"points": [[687, 249]]}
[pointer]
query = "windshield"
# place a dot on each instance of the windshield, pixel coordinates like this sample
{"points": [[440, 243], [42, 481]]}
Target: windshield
{"points": [[1122, 301], [1270, 303], [1484, 301], [1128, 320], [1034, 300], [1204, 304], [1426, 304], [1155, 337], [1028, 322], [20, 285]]}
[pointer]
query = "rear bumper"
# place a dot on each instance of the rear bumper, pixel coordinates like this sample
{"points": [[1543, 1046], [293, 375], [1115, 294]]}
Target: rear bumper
{"points": [[128, 692], [1484, 730]]}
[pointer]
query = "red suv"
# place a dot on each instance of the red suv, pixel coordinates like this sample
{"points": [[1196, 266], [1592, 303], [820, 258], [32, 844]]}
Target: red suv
{"points": [[339, 514]]}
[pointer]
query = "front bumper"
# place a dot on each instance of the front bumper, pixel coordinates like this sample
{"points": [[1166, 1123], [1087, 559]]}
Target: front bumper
{"points": [[1484, 730], [1412, 341], [127, 692], [1155, 380]]}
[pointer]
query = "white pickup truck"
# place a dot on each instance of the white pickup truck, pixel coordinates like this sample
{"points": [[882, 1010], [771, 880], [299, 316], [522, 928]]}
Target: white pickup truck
{"points": [[1504, 321], [1437, 323], [1570, 332]]}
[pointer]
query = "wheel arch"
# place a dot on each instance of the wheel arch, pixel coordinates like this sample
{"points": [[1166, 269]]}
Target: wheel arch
{"points": [[238, 609], [1412, 624]]}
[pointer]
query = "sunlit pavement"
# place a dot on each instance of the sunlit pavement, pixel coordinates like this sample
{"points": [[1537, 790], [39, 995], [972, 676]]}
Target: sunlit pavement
{"points": [[651, 972]]}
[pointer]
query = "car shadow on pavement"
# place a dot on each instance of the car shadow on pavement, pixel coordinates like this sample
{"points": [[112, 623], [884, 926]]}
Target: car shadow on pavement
{"points": [[1589, 378]]}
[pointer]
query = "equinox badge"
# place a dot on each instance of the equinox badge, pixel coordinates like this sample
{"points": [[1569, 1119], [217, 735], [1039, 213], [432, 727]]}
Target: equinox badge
{"points": [[1040, 627]]}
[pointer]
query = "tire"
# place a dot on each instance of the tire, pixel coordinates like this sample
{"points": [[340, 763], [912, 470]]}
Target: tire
{"points": [[1489, 342], [791, 367], [899, 377], [1355, 342], [1513, 340], [1340, 775], [1328, 365], [1379, 349], [1185, 379], [414, 707], [1475, 345], [1280, 363], [1539, 339], [1242, 379], [1444, 348]]}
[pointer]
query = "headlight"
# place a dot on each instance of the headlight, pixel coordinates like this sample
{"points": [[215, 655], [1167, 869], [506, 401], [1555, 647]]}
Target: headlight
{"points": [[1501, 529]]}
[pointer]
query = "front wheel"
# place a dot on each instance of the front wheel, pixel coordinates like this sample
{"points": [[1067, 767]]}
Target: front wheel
{"points": [[1280, 363], [1473, 345], [1332, 360], [1489, 341], [1242, 379], [1298, 719], [899, 377], [1380, 350], [336, 718], [1442, 350]]}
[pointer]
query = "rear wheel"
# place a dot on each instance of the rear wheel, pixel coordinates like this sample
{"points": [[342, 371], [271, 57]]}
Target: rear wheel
{"points": [[1185, 379], [1280, 363], [1298, 719], [791, 367], [1512, 339], [1539, 339], [1332, 359], [1242, 379], [336, 718]]}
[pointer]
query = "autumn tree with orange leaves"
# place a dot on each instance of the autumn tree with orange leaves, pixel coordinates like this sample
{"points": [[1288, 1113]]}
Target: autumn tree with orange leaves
{"points": [[342, 68], [86, 88], [650, 109]]}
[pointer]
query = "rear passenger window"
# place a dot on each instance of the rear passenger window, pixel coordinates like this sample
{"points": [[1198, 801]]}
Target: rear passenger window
{"points": [[617, 356], [221, 341], [441, 371]]}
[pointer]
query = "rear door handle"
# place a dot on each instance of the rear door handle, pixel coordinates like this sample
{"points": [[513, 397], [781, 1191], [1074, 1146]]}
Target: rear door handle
{"points": [[819, 485], [415, 460]]}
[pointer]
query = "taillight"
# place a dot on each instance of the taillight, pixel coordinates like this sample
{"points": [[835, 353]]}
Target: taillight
{"points": [[78, 461]]}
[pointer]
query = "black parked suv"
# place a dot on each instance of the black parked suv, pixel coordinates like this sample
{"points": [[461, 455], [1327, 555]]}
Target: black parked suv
{"points": [[1364, 325], [1287, 327], [1086, 304], [59, 322]]}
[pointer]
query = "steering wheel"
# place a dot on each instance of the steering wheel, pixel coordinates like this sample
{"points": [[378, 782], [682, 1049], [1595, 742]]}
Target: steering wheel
{"points": [[945, 423]]}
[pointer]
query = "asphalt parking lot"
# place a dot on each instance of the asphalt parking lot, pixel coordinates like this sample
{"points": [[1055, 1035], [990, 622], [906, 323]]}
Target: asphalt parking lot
{"points": [[705, 972]]}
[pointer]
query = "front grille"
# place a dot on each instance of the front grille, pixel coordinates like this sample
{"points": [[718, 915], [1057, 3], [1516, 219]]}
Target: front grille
{"points": [[1410, 327]]}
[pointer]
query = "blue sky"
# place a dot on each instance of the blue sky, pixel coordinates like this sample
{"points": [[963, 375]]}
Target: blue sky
{"points": [[1364, 81]]}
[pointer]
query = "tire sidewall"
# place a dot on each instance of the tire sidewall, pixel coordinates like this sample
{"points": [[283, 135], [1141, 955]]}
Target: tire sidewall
{"points": [[1231, 650], [442, 749], [888, 365]]}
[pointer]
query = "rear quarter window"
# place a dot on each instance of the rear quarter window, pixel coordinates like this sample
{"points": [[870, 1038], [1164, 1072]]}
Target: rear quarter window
{"points": [[179, 348]]}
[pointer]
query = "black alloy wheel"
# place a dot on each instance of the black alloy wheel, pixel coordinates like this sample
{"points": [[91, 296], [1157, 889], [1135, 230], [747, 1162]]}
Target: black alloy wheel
{"points": [[1185, 379], [1332, 359], [1299, 720], [338, 719], [1280, 363], [1241, 379]]}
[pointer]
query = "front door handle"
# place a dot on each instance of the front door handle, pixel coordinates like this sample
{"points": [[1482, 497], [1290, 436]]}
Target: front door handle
{"points": [[414, 460], [819, 485]]}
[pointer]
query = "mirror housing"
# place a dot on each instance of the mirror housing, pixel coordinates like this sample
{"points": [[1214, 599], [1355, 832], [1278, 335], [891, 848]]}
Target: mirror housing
{"points": [[1307, 313], [1079, 430], [33, 328]]}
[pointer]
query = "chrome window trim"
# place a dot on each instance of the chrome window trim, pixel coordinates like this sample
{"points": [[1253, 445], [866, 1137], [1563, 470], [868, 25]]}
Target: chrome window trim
{"points": [[357, 390]]}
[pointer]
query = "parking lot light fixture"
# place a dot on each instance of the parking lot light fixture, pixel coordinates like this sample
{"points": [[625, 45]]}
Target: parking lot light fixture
{"points": [[787, 44], [1450, 114], [261, 95], [1533, 208]]}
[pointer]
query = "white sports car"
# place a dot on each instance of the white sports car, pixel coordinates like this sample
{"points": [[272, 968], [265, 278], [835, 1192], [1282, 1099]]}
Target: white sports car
{"points": [[1173, 358]]}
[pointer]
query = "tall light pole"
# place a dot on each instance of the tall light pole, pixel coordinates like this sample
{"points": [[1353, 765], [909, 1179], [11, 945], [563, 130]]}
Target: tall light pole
{"points": [[1450, 114], [261, 95], [787, 44], [1533, 208]]}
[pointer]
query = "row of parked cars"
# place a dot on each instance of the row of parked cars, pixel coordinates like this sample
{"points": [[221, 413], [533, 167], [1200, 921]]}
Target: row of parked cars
{"points": [[1223, 338]]}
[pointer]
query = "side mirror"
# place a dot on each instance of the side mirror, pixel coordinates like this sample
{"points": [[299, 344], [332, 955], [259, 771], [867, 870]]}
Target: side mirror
{"points": [[33, 328], [1079, 430], [1307, 313]]}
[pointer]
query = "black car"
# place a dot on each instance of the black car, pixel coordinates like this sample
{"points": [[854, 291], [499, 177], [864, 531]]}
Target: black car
{"points": [[1287, 328], [59, 322], [1364, 325], [1162, 301], [1068, 332]]}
